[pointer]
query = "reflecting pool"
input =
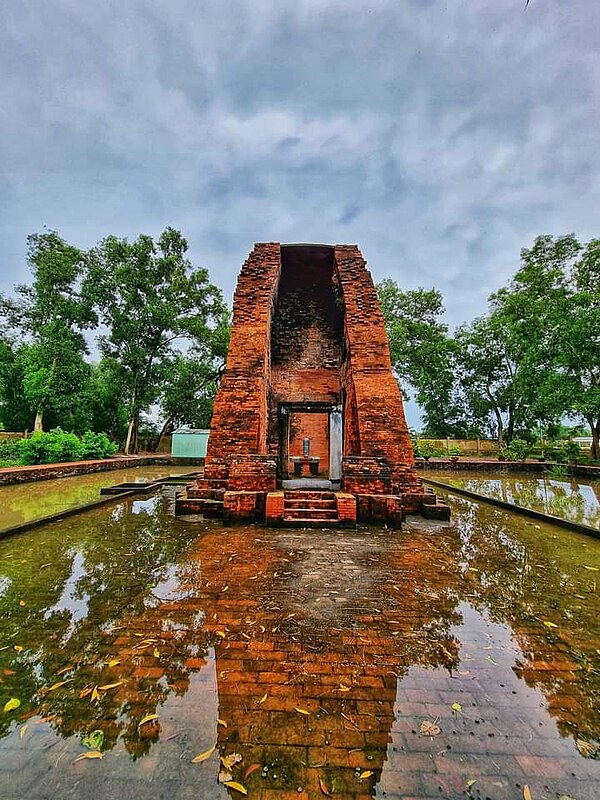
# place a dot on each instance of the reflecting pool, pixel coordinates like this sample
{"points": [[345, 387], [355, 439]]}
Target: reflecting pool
{"points": [[156, 657], [569, 498], [22, 502]]}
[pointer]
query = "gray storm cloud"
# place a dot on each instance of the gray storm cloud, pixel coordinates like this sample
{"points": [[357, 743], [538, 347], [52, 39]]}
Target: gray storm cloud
{"points": [[442, 137]]}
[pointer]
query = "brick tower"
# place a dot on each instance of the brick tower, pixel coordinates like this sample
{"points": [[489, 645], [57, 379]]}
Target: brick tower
{"points": [[308, 424]]}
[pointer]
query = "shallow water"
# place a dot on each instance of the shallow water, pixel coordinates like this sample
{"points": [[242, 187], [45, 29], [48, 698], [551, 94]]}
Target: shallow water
{"points": [[568, 498], [23, 502], [314, 655]]}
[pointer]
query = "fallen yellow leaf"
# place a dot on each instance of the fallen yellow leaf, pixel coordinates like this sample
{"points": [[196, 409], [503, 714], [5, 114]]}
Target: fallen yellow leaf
{"points": [[86, 691], [222, 722], [147, 718], [302, 711], [58, 685], [323, 788], [550, 624], [12, 704], [108, 686], [343, 688], [22, 603], [237, 787], [95, 694], [205, 755], [456, 707], [22, 731], [526, 793], [366, 774], [262, 700], [91, 754], [18, 648], [222, 634], [114, 661], [156, 653]]}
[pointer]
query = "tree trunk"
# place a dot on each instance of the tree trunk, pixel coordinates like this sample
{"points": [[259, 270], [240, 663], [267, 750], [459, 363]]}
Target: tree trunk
{"points": [[129, 441], [595, 429], [167, 428], [500, 427], [38, 425]]}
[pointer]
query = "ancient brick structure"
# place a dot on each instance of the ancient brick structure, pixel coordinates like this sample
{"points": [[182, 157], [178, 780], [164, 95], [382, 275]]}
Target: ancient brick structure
{"points": [[308, 393]]}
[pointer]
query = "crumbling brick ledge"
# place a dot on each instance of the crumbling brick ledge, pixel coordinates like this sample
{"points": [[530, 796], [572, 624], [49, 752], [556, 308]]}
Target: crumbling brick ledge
{"points": [[43, 472]]}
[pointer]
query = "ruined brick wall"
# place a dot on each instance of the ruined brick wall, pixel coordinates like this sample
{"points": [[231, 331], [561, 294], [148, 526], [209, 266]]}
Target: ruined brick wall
{"points": [[307, 328], [239, 422], [382, 428]]}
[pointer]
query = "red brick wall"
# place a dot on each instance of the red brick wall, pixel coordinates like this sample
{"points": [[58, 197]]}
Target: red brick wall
{"points": [[239, 422], [383, 431], [291, 385]]}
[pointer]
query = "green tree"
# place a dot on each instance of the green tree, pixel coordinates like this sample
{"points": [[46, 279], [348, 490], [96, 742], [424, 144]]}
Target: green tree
{"points": [[104, 399], [15, 411], [190, 381], [51, 315], [553, 304], [149, 297], [490, 374], [422, 354]]}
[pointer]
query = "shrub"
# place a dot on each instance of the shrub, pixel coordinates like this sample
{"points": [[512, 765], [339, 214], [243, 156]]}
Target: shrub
{"points": [[8, 451], [563, 451], [48, 448], [96, 445], [518, 450]]}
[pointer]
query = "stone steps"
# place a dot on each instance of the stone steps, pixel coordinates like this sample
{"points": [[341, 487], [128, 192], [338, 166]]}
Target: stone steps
{"points": [[308, 494], [303, 502], [305, 507], [310, 513]]}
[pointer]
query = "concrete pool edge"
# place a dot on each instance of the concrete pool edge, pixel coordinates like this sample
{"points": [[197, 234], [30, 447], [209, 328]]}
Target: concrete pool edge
{"points": [[578, 527], [66, 469]]}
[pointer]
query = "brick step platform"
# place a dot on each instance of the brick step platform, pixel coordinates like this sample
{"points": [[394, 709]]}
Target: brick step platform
{"points": [[311, 507], [310, 513], [208, 507], [309, 503], [312, 494]]}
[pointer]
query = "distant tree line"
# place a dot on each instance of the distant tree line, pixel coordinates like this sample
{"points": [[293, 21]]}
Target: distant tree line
{"points": [[530, 362], [105, 339], [157, 328]]}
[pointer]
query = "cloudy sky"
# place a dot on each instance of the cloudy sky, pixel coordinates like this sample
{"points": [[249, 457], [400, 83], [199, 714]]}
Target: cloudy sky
{"points": [[440, 136]]}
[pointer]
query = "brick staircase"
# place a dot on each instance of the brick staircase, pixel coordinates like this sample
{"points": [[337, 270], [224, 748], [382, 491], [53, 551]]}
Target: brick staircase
{"points": [[302, 507]]}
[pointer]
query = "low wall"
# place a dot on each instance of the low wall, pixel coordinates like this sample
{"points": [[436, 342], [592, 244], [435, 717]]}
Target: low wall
{"points": [[475, 447], [490, 465], [42, 472]]}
